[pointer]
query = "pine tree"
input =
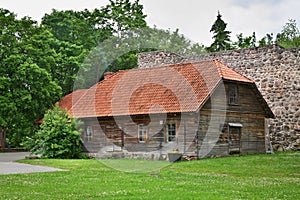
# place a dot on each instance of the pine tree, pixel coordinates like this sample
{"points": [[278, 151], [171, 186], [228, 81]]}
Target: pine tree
{"points": [[221, 36]]}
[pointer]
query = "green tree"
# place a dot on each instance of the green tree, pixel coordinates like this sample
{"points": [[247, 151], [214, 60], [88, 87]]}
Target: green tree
{"points": [[289, 37], [80, 32], [221, 36], [173, 41], [27, 90], [148, 39], [246, 42], [266, 40], [120, 53], [122, 15], [58, 136], [72, 27]]}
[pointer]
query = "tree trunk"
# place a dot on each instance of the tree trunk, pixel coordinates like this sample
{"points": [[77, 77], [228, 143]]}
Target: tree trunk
{"points": [[2, 137]]}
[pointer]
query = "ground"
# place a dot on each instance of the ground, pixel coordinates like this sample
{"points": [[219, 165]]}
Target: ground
{"points": [[265, 176]]}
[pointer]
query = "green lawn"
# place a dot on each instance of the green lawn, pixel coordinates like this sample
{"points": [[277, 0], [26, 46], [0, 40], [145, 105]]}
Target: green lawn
{"points": [[246, 177]]}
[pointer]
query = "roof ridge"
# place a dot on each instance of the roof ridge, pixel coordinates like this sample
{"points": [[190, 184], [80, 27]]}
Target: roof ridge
{"points": [[217, 63], [220, 64], [166, 65]]}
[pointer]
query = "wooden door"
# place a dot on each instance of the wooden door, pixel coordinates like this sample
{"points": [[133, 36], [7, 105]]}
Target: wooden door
{"points": [[234, 140]]}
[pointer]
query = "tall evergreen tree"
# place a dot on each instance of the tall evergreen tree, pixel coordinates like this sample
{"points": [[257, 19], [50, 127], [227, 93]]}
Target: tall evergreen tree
{"points": [[221, 36]]}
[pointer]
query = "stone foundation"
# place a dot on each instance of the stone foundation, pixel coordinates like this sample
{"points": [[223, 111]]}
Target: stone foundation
{"points": [[129, 155]]}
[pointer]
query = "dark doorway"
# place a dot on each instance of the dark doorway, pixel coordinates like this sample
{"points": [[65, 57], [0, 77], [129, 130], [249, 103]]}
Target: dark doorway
{"points": [[235, 139]]}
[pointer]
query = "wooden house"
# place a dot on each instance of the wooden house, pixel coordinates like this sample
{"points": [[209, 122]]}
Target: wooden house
{"points": [[200, 109]]}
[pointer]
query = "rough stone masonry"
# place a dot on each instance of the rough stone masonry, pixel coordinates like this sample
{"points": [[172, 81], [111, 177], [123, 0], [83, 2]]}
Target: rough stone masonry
{"points": [[276, 72]]}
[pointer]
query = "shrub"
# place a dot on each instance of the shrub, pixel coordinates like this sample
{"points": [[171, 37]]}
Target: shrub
{"points": [[57, 137]]}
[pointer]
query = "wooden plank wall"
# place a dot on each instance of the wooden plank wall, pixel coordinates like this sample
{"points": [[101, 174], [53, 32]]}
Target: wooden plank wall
{"points": [[204, 127], [248, 112]]}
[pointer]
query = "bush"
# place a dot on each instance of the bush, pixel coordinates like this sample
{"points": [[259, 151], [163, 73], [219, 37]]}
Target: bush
{"points": [[57, 137]]}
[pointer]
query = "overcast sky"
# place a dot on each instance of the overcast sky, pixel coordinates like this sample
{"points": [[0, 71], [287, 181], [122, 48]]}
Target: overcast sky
{"points": [[193, 18]]}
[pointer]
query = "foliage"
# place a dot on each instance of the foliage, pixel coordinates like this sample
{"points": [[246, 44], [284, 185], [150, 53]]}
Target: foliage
{"points": [[151, 39], [289, 37], [245, 42], [80, 32], [58, 136], [39, 63], [119, 29], [221, 36], [263, 176], [89, 28], [27, 89], [122, 15], [171, 41], [266, 40], [120, 53]]}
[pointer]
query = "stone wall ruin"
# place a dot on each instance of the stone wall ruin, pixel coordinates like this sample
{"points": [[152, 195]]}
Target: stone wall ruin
{"points": [[276, 72]]}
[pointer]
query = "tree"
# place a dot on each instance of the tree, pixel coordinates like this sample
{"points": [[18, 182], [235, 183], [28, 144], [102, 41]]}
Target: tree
{"points": [[39, 63], [221, 36], [72, 27], [266, 40], [27, 90], [122, 15], [289, 37], [149, 39], [80, 32], [246, 42], [57, 137], [120, 52]]}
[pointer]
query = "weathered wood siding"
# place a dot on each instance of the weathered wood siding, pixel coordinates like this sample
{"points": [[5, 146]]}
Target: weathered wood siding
{"points": [[123, 132], [103, 134], [204, 133], [214, 123]]}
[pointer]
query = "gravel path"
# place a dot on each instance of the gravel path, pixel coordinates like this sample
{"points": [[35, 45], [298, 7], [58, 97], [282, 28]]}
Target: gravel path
{"points": [[8, 166]]}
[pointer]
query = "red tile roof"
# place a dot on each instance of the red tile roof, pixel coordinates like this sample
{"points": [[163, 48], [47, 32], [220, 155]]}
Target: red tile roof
{"points": [[173, 88], [71, 99]]}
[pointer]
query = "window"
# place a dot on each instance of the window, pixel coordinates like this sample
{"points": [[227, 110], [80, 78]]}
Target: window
{"points": [[171, 132], [89, 133], [142, 133], [233, 95]]}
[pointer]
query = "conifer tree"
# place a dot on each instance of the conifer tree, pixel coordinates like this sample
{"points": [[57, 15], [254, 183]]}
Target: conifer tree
{"points": [[221, 36]]}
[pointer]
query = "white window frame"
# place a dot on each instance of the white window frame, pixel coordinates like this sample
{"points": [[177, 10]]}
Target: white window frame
{"points": [[168, 132], [142, 133], [89, 133]]}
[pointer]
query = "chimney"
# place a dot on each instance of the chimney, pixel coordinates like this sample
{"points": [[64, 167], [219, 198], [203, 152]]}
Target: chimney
{"points": [[107, 75]]}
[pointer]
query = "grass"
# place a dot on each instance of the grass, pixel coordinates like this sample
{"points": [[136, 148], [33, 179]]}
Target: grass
{"points": [[263, 176]]}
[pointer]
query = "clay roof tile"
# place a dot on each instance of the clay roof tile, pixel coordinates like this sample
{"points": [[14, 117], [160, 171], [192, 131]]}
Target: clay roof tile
{"points": [[172, 88]]}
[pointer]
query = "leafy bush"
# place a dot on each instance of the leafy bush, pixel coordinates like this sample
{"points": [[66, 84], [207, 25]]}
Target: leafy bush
{"points": [[57, 137]]}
